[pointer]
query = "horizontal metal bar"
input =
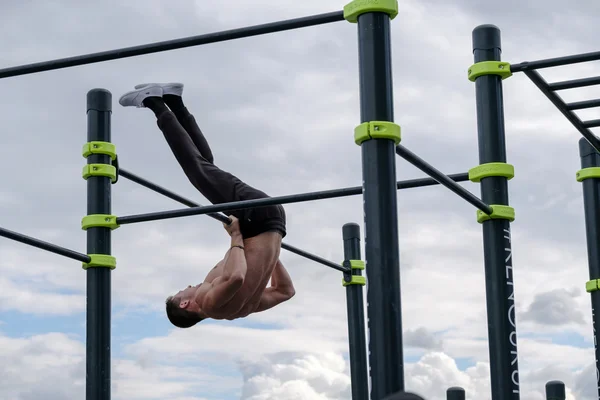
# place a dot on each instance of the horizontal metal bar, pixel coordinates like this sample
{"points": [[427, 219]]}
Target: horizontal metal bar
{"points": [[238, 205], [442, 178], [555, 62], [593, 123], [222, 218], [558, 102], [168, 45], [580, 105], [575, 83], [40, 244]]}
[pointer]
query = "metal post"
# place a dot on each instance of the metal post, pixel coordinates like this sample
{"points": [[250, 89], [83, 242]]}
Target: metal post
{"points": [[555, 390], [380, 209], [455, 393], [356, 316], [591, 202], [502, 335], [98, 242]]}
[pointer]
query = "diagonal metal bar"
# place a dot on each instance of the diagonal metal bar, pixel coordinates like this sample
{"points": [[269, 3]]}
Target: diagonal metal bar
{"points": [[168, 45], [40, 244], [558, 102], [442, 178], [222, 218]]}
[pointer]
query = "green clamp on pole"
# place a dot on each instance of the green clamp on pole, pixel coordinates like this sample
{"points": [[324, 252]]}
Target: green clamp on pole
{"points": [[377, 130], [356, 8], [491, 169], [349, 279], [99, 221], [99, 170], [482, 68], [592, 286], [498, 212], [101, 261], [105, 148], [588, 173]]}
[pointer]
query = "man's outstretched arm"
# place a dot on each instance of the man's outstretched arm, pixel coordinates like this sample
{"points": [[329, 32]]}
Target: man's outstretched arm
{"points": [[234, 271], [281, 289]]}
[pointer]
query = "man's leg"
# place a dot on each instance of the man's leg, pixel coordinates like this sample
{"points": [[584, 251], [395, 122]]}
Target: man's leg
{"points": [[216, 185], [187, 120]]}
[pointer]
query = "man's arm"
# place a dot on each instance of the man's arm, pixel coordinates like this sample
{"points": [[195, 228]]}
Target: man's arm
{"points": [[281, 289], [234, 271]]}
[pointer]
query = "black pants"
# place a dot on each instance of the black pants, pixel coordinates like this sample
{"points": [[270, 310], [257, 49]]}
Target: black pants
{"points": [[195, 157]]}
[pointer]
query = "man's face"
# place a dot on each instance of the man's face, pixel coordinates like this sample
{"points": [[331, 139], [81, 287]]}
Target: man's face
{"points": [[188, 298]]}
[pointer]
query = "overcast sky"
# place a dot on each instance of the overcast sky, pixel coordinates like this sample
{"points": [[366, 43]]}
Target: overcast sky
{"points": [[279, 112]]}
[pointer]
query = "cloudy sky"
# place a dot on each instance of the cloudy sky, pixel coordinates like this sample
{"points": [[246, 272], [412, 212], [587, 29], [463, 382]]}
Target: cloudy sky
{"points": [[279, 112]]}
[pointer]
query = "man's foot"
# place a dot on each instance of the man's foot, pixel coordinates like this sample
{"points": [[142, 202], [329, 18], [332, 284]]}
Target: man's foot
{"points": [[171, 88], [136, 98]]}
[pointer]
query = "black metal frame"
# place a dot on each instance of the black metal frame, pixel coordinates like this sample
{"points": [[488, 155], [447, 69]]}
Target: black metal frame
{"points": [[98, 315]]}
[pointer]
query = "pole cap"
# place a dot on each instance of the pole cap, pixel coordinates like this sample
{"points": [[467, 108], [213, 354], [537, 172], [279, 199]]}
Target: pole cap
{"points": [[455, 393], [99, 100], [351, 230], [585, 148], [555, 390], [486, 37]]}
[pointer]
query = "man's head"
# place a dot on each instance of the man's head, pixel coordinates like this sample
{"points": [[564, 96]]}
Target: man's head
{"points": [[183, 310]]}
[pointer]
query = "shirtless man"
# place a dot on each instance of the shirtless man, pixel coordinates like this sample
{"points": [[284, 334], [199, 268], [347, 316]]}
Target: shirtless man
{"points": [[237, 285]]}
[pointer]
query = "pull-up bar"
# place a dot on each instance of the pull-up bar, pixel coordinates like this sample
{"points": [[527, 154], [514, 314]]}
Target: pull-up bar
{"points": [[222, 218], [175, 44], [239, 205]]}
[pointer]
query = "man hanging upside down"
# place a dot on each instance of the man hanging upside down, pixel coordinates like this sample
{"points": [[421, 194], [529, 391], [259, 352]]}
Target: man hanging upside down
{"points": [[237, 285]]}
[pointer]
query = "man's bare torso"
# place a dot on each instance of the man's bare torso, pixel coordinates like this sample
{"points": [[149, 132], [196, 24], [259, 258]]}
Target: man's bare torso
{"points": [[262, 254]]}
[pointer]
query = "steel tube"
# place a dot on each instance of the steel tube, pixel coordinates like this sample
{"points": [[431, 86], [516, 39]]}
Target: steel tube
{"points": [[590, 158], [98, 315], [442, 179], [555, 62], [497, 246], [40, 244], [580, 105], [168, 45], [575, 83]]}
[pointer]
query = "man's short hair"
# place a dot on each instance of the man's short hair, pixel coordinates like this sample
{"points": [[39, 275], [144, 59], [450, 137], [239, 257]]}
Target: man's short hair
{"points": [[180, 317]]}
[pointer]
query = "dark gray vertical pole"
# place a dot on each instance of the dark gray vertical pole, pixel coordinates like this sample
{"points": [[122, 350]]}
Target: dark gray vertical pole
{"points": [[356, 315], [380, 209], [555, 390], [502, 334], [591, 202], [98, 242], [455, 393]]}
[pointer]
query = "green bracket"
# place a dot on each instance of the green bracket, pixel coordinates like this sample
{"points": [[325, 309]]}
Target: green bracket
{"points": [[491, 169], [498, 212], [105, 148], [377, 130], [99, 221], [592, 286], [99, 170], [101, 261], [489, 68], [355, 280], [355, 8], [588, 173], [354, 264]]}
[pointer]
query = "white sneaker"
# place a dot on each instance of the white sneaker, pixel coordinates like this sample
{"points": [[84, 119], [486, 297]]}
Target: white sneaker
{"points": [[172, 88], [135, 98]]}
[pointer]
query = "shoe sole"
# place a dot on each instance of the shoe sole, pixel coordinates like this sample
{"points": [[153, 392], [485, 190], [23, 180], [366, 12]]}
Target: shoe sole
{"points": [[164, 86]]}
